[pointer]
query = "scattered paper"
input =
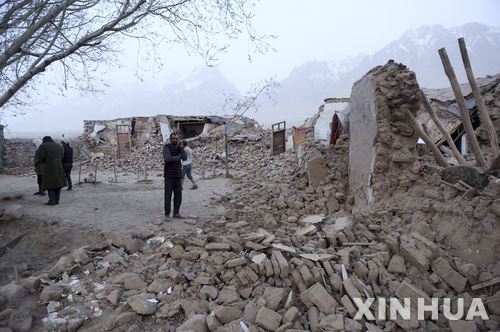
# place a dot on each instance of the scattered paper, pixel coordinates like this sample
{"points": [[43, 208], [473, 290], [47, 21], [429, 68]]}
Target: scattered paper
{"points": [[344, 273], [285, 248], [244, 327], [157, 240], [313, 219], [259, 259]]}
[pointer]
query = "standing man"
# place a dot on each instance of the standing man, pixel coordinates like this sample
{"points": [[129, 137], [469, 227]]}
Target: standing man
{"points": [[50, 155], [187, 165], [173, 155], [67, 161], [38, 167]]}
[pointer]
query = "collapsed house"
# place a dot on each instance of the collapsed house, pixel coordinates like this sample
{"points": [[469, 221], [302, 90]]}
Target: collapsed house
{"points": [[444, 103], [326, 126], [121, 136], [383, 143]]}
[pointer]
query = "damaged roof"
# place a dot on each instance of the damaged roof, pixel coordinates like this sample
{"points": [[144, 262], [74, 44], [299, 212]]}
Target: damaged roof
{"points": [[444, 104]]}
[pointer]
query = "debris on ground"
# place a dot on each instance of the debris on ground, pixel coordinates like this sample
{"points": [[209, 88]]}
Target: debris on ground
{"points": [[296, 244]]}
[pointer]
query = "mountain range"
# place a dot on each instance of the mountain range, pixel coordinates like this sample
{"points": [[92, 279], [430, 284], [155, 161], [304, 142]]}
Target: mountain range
{"points": [[300, 93], [307, 85], [303, 90]]}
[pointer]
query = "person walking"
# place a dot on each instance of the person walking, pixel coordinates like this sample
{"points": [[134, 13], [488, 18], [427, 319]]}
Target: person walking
{"points": [[173, 155], [187, 165], [38, 167], [67, 161], [51, 155]]}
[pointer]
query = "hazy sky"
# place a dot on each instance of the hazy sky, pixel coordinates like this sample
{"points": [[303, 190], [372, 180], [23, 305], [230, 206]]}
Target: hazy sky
{"points": [[305, 30]]}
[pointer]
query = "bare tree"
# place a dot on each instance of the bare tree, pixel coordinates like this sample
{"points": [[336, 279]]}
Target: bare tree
{"points": [[238, 107], [75, 37]]}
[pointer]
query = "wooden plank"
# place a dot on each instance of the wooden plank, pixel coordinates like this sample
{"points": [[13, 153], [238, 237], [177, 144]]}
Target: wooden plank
{"points": [[347, 244], [485, 284]]}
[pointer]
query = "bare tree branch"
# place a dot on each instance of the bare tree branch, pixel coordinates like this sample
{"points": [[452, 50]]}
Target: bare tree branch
{"points": [[81, 35]]}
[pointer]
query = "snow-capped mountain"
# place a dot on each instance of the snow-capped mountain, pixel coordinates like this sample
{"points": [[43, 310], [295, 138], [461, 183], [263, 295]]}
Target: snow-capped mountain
{"points": [[308, 84], [204, 90]]}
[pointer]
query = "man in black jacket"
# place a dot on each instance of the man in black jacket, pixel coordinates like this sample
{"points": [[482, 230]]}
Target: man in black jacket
{"points": [[173, 153], [67, 161]]}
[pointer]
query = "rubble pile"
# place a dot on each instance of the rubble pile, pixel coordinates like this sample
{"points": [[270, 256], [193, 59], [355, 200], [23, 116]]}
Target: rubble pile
{"points": [[286, 256], [147, 157], [245, 144], [296, 249], [302, 275], [208, 152]]}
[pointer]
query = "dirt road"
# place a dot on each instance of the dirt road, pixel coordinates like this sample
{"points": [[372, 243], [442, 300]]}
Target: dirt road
{"points": [[47, 232], [124, 206]]}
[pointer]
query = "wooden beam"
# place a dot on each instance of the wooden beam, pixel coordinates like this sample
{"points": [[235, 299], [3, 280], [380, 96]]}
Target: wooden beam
{"points": [[448, 69], [483, 111], [427, 106], [421, 133], [489, 283]]}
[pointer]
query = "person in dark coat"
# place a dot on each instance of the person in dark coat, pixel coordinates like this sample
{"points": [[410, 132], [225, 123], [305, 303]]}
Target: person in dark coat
{"points": [[67, 161], [38, 168], [173, 154], [50, 155]]}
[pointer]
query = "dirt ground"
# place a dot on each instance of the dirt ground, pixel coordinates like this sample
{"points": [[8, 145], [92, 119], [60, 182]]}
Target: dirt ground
{"points": [[47, 232], [123, 206]]}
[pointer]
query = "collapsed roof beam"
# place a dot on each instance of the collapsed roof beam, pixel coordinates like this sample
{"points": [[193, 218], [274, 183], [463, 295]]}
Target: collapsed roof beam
{"points": [[469, 130]]}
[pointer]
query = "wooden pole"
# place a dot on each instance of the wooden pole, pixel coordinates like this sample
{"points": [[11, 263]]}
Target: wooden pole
{"points": [[421, 133], [483, 111], [80, 172], [114, 170], [227, 157], [448, 69], [95, 175], [427, 106]]}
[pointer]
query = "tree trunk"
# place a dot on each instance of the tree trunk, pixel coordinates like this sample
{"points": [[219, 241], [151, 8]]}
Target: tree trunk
{"points": [[485, 116], [448, 69]]}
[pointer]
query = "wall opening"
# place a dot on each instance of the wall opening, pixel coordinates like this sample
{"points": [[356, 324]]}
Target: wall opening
{"points": [[190, 129]]}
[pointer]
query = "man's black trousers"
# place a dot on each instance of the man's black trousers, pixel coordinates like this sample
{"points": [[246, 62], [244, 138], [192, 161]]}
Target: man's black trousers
{"points": [[173, 185], [54, 196]]}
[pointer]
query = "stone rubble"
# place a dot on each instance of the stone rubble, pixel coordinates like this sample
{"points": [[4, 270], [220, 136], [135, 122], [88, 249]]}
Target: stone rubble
{"points": [[270, 263]]}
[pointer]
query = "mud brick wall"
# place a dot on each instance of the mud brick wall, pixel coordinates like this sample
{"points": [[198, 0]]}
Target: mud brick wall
{"points": [[383, 141], [19, 154]]}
